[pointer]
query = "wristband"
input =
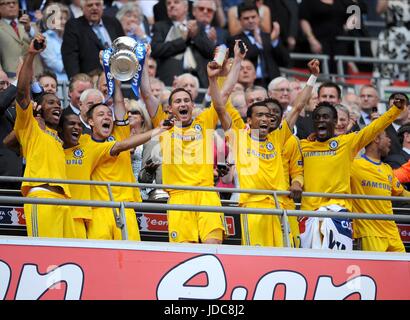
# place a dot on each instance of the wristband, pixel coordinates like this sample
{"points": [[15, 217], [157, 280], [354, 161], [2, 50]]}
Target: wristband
{"points": [[311, 81]]}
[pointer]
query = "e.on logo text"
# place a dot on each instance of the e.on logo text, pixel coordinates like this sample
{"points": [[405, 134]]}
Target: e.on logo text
{"points": [[173, 285]]}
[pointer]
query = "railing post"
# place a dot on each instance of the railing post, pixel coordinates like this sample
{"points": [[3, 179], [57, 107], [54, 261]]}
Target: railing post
{"points": [[285, 223], [325, 66], [124, 230], [119, 222], [357, 47], [284, 219], [340, 69]]}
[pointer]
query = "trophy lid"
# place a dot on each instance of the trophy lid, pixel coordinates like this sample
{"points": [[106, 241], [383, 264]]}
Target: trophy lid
{"points": [[124, 43]]}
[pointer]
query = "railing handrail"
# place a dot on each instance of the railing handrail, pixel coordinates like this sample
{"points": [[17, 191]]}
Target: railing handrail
{"points": [[197, 188], [370, 60], [143, 206]]}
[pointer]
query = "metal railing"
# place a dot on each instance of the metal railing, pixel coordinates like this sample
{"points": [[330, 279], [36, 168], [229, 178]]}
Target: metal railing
{"points": [[121, 205], [323, 58]]}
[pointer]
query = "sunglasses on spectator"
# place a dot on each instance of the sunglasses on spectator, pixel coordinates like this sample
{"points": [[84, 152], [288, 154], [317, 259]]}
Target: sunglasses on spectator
{"points": [[8, 3], [203, 9], [134, 112]]}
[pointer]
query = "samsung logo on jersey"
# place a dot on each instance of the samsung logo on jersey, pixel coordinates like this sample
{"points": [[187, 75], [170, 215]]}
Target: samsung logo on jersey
{"points": [[262, 155], [74, 162], [319, 153], [186, 138], [54, 136], [378, 185]]}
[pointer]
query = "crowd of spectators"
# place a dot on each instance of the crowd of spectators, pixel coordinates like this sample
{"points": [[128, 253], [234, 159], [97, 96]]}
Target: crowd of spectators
{"points": [[183, 37]]}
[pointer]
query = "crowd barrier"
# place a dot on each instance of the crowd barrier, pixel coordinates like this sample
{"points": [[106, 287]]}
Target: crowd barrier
{"points": [[162, 207]]}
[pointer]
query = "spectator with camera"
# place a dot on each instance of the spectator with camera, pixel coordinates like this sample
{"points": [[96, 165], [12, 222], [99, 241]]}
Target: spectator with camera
{"points": [[16, 33]]}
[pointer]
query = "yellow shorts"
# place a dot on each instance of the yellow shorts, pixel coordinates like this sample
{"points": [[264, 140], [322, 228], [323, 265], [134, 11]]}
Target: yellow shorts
{"points": [[74, 228], [261, 229], [45, 220], [192, 226], [75, 222], [382, 244], [103, 227]]}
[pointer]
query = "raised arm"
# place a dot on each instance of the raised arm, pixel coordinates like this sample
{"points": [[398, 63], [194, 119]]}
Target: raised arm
{"points": [[369, 133], [119, 105], [217, 100], [303, 97], [26, 73], [151, 102], [135, 140], [233, 74]]}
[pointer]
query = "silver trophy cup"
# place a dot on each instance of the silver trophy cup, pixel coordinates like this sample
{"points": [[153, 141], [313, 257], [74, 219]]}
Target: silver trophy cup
{"points": [[123, 61]]}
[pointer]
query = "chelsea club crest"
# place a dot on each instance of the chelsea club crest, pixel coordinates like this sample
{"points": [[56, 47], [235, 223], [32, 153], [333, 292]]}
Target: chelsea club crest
{"points": [[269, 146], [110, 139], [333, 144], [198, 127], [78, 153]]}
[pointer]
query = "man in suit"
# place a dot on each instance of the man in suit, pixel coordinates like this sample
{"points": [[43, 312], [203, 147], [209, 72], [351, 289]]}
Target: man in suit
{"points": [[285, 12], [15, 35], [181, 45], [369, 99], [266, 51], [10, 163], [204, 12], [398, 159], [86, 36], [393, 129]]}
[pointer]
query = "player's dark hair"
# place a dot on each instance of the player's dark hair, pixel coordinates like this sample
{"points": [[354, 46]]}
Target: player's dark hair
{"points": [[178, 90], [95, 105], [322, 105], [255, 104]]}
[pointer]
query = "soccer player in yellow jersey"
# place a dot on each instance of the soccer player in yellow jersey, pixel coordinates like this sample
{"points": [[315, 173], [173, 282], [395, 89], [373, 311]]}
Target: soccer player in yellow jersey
{"points": [[327, 161], [83, 156], [292, 170], [116, 168], [258, 160], [43, 151], [370, 176], [187, 152]]}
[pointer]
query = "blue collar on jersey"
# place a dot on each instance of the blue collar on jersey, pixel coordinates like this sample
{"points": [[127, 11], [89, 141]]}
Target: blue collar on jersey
{"points": [[97, 140], [376, 163]]}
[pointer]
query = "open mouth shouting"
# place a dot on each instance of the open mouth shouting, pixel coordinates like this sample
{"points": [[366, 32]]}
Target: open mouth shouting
{"points": [[183, 114], [56, 113], [106, 127], [322, 130]]}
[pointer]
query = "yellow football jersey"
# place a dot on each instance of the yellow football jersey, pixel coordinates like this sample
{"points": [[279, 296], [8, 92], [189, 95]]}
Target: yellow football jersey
{"points": [[187, 152], [80, 162], [377, 179], [259, 163], [116, 169], [292, 167], [42, 149], [327, 165]]}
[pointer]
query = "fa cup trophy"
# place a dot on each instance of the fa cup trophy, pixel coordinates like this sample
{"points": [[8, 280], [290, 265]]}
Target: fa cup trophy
{"points": [[124, 61]]}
